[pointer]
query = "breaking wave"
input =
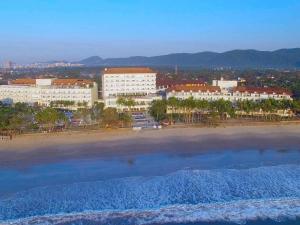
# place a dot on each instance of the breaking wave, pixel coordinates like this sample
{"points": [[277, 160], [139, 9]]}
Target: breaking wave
{"points": [[228, 195]]}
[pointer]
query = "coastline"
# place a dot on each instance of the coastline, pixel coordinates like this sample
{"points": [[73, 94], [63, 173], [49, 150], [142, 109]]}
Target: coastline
{"points": [[28, 149], [27, 142]]}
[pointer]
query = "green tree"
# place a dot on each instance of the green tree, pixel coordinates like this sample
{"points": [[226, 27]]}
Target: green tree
{"points": [[130, 103], [97, 111], [223, 107], [83, 114], [295, 105], [188, 106], [202, 104], [110, 117], [158, 109], [5, 114], [47, 117], [125, 119], [127, 102], [16, 117], [202, 107], [17, 121]]}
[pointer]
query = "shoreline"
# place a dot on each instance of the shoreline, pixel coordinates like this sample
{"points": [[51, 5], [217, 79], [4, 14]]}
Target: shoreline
{"points": [[30, 149], [36, 140]]}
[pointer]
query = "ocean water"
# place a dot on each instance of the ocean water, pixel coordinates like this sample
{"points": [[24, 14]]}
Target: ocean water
{"points": [[252, 186]]}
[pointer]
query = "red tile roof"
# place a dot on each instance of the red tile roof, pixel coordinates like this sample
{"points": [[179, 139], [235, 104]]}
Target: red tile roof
{"points": [[194, 88], [23, 81], [261, 90], [79, 82], [118, 70]]}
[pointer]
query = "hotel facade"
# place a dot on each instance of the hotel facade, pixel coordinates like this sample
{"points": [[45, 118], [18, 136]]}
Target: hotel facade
{"points": [[47, 91], [138, 84]]}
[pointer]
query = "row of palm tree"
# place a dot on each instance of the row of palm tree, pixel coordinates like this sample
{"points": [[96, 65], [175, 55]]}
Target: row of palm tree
{"points": [[190, 107]]}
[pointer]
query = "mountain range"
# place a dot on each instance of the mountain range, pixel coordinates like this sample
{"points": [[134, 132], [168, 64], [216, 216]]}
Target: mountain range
{"points": [[283, 58]]}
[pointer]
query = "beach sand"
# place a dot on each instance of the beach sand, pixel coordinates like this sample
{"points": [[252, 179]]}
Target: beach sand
{"points": [[26, 150]]}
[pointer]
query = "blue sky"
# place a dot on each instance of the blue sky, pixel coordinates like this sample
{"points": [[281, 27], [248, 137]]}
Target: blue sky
{"points": [[40, 30]]}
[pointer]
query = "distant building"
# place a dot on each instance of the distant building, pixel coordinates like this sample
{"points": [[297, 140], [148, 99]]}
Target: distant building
{"points": [[8, 65], [45, 91], [42, 65], [138, 83], [225, 84]]}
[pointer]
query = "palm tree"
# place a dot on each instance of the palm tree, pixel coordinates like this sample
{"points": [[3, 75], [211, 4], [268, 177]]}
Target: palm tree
{"points": [[267, 107], [202, 105], [47, 117], [189, 105], [173, 103], [97, 110], [158, 109], [127, 102], [130, 103], [121, 101], [110, 117], [126, 119]]}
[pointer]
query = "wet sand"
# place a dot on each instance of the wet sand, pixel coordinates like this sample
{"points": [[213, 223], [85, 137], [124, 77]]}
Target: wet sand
{"points": [[26, 150]]}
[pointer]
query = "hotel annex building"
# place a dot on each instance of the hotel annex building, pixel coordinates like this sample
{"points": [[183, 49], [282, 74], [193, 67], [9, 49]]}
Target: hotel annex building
{"points": [[227, 90], [45, 91]]}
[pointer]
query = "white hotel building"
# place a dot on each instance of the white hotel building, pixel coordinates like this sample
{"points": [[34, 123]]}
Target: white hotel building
{"points": [[136, 83], [45, 91]]}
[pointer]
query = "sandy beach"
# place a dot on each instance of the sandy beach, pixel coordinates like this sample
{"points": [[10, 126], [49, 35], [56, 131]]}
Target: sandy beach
{"points": [[37, 148]]}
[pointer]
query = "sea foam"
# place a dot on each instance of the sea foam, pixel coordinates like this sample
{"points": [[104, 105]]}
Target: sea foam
{"points": [[186, 195], [236, 212]]}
